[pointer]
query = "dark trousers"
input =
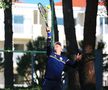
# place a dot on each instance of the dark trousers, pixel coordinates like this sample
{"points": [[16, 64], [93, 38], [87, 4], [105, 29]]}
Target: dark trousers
{"points": [[52, 85]]}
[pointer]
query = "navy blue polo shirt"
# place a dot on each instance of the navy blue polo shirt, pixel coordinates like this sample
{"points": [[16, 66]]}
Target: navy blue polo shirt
{"points": [[55, 66]]}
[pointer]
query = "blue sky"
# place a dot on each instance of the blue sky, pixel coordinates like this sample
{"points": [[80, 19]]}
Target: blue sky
{"points": [[44, 2]]}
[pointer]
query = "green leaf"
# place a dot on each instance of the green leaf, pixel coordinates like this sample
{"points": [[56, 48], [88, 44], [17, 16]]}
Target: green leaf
{"points": [[3, 4]]}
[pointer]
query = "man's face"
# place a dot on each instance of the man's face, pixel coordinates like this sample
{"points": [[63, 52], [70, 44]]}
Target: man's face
{"points": [[57, 48]]}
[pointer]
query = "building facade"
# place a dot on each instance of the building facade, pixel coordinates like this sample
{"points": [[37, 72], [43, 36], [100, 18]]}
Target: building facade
{"points": [[27, 25]]}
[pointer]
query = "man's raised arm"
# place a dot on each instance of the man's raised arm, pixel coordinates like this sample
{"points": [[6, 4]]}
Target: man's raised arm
{"points": [[49, 48]]}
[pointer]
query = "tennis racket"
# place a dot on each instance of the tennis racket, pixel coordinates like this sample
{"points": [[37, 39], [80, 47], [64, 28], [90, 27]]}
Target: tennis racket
{"points": [[43, 12]]}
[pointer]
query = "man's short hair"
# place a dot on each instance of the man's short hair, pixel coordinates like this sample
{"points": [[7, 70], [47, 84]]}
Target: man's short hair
{"points": [[57, 43]]}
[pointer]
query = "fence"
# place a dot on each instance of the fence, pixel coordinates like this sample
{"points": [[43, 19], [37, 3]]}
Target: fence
{"points": [[33, 74], [36, 69]]}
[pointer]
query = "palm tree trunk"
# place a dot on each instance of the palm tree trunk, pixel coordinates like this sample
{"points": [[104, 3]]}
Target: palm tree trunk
{"points": [[8, 63], [69, 27], [89, 44], [71, 42], [90, 22]]}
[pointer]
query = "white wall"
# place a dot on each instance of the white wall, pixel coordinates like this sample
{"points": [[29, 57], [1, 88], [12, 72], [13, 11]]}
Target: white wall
{"points": [[1, 24], [29, 29], [1, 79], [78, 15]]}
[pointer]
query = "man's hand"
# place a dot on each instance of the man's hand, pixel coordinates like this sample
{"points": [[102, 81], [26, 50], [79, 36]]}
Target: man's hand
{"points": [[48, 29], [78, 57]]}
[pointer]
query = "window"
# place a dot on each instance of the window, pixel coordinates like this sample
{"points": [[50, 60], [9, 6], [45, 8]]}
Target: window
{"points": [[104, 24], [60, 21], [106, 20], [18, 19], [18, 23], [35, 16], [103, 20]]}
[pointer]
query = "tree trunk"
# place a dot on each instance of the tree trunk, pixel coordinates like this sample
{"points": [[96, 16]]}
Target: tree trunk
{"points": [[8, 63], [89, 44], [71, 42], [69, 27], [54, 21], [90, 22]]}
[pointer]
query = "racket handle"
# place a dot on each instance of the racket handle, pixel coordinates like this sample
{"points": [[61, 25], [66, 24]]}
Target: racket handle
{"points": [[46, 24]]}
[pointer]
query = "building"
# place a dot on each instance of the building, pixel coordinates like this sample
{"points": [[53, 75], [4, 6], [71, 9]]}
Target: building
{"points": [[79, 13], [27, 25], [79, 16]]}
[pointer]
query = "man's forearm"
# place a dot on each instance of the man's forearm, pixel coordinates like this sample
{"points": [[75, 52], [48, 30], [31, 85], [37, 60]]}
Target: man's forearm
{"points": [[48, 43]]}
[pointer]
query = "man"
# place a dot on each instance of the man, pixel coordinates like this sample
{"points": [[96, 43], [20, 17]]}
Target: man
{"points": [[55, 65]]}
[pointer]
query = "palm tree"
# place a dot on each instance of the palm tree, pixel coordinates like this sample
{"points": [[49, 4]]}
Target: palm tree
{"points": [[69, 27], [89, 43], [71, 43], [8, 63], [90, 21]]}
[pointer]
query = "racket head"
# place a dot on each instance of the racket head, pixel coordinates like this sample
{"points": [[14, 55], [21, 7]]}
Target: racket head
{"points": [[43, 12]]}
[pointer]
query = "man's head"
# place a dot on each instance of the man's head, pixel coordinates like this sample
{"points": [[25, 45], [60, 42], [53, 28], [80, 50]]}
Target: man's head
{"points": [[57, 47]]}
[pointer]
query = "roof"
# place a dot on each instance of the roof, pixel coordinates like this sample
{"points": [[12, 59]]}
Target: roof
{"points": [[76, 3], [79, 3], [101, 3]]}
